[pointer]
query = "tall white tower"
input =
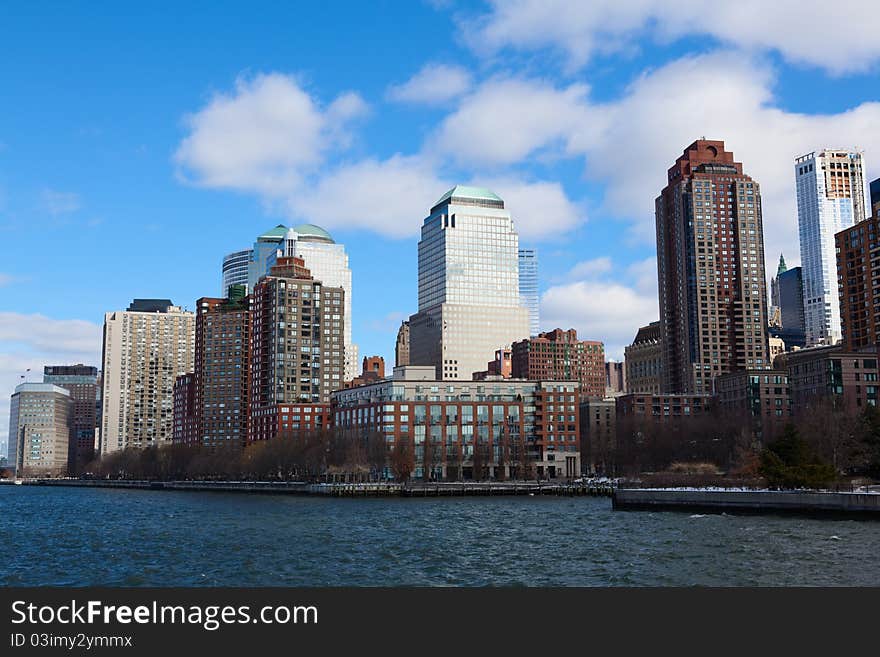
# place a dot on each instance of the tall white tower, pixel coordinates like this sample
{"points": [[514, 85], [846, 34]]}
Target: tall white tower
{"points": [[830, 197], [469, 298]]}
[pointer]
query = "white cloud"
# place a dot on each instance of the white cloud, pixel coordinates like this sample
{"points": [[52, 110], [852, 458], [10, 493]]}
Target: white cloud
{"points": [[541, 210], [629, 143], [586, 268], [434, 84], [600, 309], [266, 136], [604, 301], [31, 341], [390, 196], [505, 120], [57, 203], [5, 279], [840, 37]]}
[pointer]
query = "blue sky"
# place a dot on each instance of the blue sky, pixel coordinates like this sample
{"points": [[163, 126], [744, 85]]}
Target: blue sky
{"points": [[132, 137]]}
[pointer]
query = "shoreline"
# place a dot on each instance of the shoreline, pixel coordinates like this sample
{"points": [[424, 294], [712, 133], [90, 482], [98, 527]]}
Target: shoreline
{"points": [[374, 489], [794, 502]]}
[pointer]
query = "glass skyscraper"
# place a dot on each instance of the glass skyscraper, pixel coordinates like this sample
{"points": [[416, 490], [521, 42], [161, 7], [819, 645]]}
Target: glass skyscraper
{"points": [[830, 197], [469, 298], [528, 288], [235, 270]]}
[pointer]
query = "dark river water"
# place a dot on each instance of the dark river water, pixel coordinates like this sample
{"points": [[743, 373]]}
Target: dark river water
{"points": [[79, 537]]}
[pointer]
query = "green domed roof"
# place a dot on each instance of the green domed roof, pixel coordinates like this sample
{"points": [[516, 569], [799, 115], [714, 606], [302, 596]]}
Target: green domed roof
{"points": [[312, 231]]}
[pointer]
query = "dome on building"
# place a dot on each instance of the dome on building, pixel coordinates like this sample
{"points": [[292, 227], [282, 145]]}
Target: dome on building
{"points": [[313, 233]]}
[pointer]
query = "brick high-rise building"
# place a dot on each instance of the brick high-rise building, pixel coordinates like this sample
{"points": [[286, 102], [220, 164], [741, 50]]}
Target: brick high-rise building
{"points": [[145, 349], [81, 381], [710, 261], [221, 370], [858, 283], [297, 350], [185, 431], [559, 356]]}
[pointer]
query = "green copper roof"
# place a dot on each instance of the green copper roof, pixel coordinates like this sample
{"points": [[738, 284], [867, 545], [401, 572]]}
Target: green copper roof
{"points": [[276, 233], [463, 191], [782, 268], [311, 230]]}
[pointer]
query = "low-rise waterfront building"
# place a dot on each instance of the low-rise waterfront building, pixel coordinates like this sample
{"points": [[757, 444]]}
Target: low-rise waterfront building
{"points": [[759, 398], [598, 427], [846, 379], [468, 429]]}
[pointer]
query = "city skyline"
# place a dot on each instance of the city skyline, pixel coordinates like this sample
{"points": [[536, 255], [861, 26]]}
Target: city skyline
{"points": [[125, 166]]}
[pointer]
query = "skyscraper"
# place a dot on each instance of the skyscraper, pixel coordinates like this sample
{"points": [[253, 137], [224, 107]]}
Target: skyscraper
{"points": [[328, 263], [81, 381], [297, 350], [469, 301], [401, 347], [265, 247], [830, 197], [528, 288], [710, 262], [40, 422], [791, 305], [220, 381], [145, 349], [235, 270]]}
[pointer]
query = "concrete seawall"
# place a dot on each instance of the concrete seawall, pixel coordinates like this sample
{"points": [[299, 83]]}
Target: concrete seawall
{"points": [[365, 489], [866, 505]]}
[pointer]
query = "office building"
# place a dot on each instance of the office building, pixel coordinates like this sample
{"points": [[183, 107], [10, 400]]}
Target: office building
{"points": [[643, 360], [222, 364], [145, 349], [559, 356], [830, 198], [469, 429], [791, 306], [615, 378], [401, 346], [528, 288], [266, 247], [775, 314], [81, 381], [235, 270], [710, 260], [469, 301], [40, 424], [297, 349]]}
